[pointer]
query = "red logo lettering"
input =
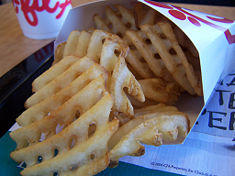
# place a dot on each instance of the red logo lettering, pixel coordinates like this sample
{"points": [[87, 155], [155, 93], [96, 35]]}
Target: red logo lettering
{"points": [[29, 9]]}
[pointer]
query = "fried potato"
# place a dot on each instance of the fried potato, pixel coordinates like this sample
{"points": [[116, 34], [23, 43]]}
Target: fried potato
{"points": [[149, 54], [91, 168], [82, 45], [53, 72], [152, 129], [80, 155], [41, 109], [172, 55], [71, 43], [76, 133], [63, 115], [122, 78], [160, 90], [61, 81], [59, 52]]}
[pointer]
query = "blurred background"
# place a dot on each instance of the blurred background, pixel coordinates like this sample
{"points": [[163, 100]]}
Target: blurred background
{"points": [[205, 2]]}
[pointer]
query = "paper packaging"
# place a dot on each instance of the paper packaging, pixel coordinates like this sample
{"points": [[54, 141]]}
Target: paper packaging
{"points": [[41, 19], [213, 37]]}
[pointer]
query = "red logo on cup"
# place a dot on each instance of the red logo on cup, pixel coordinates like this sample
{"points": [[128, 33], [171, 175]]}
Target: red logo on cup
{"points": [[30, 8]]}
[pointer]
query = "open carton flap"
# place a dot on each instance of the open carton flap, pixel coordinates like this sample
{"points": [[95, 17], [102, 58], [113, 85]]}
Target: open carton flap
{"points": [[193, 25]]}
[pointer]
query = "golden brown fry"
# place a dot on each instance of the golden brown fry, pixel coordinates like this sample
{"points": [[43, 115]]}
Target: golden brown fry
{"points": [[82, 45], [53, 72], [61, 81], [59, 52], [71, 44], [160, 90], [76, 133], [81, 154], [123, 78], [41, 109], [62, 116], [149, 53], [156, 129]]}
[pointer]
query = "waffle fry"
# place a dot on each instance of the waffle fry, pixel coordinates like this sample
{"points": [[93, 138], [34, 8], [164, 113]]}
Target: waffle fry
{"points": [[119, 22], [123, 78], [39, 110], [152, 129], [59, 52], [160, 91], [52, 72], [149, 54], [173, 56], [61, 81], [79, 155], [63, 115], [77, 132], [71, 43]]}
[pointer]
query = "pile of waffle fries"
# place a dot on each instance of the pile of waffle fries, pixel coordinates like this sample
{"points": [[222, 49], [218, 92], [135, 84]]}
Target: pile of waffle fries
{"points": [[109, 90]]}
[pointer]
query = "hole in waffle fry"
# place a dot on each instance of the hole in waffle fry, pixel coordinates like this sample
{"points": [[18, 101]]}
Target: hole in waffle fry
{"points": [[142, 60], [162, 36], [103, 40], [72, 141], [172, 51], [43, 137], [156, 56], [119, 34], [24, 165], [119, 15], [91, 129], [55, 174], [56, 151], [132, 47], [148, 41], [77, 114], [116, 52], [110, 26], [40, 159], [92, 156], [128, 25]]}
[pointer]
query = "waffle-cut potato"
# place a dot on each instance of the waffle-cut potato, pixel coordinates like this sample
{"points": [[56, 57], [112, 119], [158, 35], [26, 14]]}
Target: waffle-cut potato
{"points": [[136, 61], [62, 116], [173, 56], [154, 108], [53, 72], [76, 133], [76, 45], [149, 54], [112, 49], [61, 81], [96, 42], [71, 43], [119, 22], [82, 45], [95, 147], [160, 91], [122, 78], [59, 52], [151, 129], [144, 15], [91, 168], [41, 109]]}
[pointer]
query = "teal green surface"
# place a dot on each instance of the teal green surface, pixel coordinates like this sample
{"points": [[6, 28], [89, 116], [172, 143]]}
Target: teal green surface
{"points": [[8, 166]]}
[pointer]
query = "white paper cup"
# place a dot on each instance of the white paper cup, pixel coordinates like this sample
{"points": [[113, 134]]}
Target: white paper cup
{"points": [[41, 19]]}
